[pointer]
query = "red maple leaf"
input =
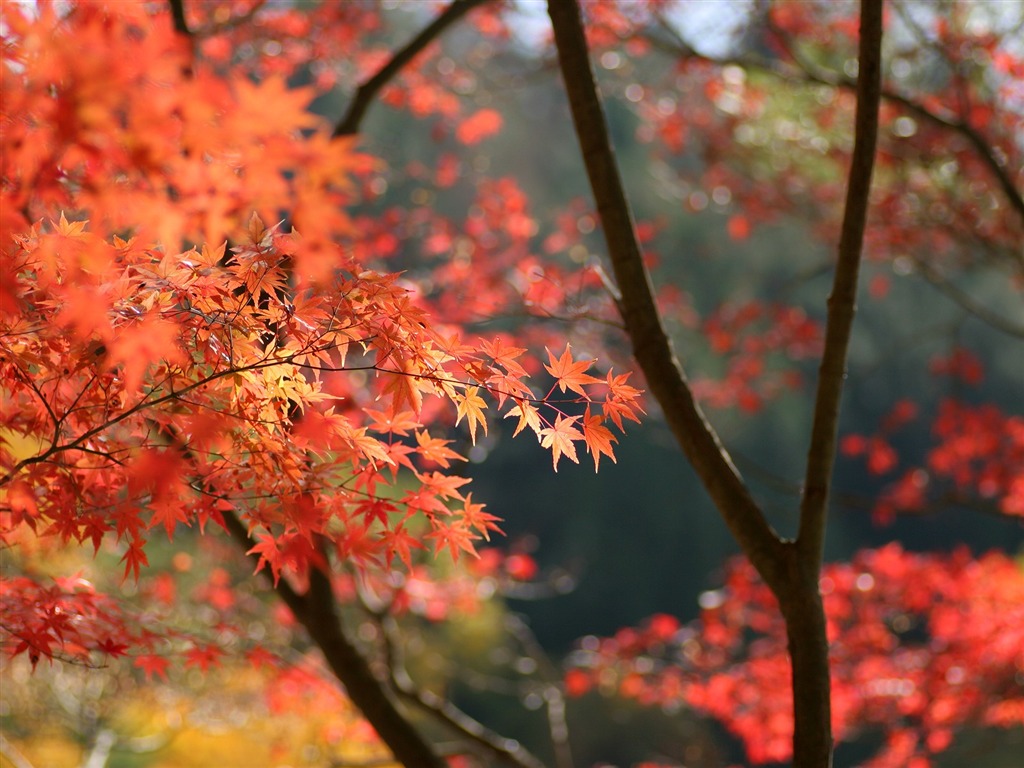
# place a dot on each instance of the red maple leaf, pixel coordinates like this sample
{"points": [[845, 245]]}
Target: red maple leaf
{"points": [[152, 664], [479, 126]]}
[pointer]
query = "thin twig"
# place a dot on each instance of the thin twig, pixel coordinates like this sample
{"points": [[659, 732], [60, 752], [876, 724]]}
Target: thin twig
{"points": [[966, 302], [365, 93]]}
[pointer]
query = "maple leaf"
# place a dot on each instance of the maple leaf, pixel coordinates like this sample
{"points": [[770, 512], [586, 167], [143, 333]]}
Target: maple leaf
{"points": [[598, 438], [260, 657], [457, 538], [270, 555], [112, 647], [470, 405], [400, 423], [405, 386], [445, 486], [134, 558], [435, 449], [504, 355], [528, 415], [400, 542], [569, 374], [168, 511], [151, 664], [559, 439], [203, 657], [474, 517], [479, 126]]}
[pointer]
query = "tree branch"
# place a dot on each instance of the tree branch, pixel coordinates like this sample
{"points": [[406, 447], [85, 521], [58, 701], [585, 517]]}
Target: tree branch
{"points": [[366, 92], [650, 342], [958, 125], [966, 302], [317, 612], [502, 749], [801, 603], [178, 14], [842, 301]]}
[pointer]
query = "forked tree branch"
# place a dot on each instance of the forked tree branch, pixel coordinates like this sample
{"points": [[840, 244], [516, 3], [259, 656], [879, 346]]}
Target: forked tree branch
{"points": [[502, 749], [365, 94], [650, 342]]}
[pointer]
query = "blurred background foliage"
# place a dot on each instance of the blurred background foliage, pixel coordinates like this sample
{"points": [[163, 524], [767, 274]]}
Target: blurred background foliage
{"points": [[639, 538]]}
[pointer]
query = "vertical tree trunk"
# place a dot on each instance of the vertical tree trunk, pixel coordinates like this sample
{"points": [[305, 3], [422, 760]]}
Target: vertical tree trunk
{"points": [[804, 615]]}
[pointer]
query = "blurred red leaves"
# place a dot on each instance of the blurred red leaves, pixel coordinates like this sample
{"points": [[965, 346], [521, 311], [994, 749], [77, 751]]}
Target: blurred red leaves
{"points": [[922, 645]]}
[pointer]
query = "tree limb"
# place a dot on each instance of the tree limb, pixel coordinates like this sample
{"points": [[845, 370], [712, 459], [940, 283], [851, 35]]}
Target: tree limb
{"points": [[650, 342], [349, 124], [842, 301], [801, 604], [958, 125], [317, 612], [178, 14], [501, 749]]}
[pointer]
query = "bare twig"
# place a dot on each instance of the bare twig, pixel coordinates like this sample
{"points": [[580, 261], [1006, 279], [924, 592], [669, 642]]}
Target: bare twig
{"points": [[365, 94], [966, 302], [553, 694]]}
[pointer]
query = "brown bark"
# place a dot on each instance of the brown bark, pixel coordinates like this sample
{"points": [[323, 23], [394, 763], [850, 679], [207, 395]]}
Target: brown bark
{"points": [[790, 568], [652, 348], [316, 611]]}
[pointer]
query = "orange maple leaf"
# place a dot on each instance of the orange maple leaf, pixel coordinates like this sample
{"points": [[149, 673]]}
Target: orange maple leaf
{"points": [[528, 417], [471, 405], [474, 517], [559, 439], [570, 375], [435, 449], [598, 437]]}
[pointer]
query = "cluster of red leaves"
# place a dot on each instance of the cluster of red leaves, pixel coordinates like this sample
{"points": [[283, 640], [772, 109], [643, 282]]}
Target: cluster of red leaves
{"points": [[171, 153], [764, 164], [977, 453], [67, 620], [187, 386], [922, 645], [749, 337], [286, 380]]}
